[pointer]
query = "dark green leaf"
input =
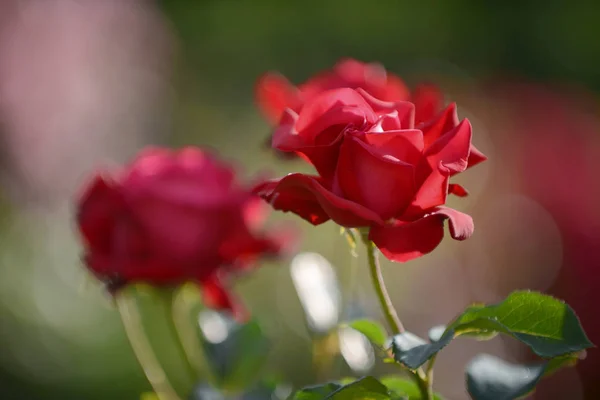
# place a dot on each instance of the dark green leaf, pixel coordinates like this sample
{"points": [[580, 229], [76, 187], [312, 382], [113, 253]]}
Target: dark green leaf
{"points": [[489, 378], [318, 392], [372, 330], [412, 351], [547, 325], [403, 388], [367, 388]]}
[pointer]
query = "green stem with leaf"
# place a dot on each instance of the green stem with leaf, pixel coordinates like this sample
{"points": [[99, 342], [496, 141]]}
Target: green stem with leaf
{"points": [[423, 380]]}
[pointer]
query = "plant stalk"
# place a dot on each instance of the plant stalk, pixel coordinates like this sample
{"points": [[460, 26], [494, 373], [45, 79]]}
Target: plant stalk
{"points": [[142, 348], [423, 381]]}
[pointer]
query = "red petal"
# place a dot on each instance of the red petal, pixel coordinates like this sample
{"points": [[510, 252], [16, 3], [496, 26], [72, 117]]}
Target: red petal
{"points": [[307, 197], [457, 190], [395, 90], [405, 145], [274, 94], [428, 100], [285, 136], [404, 241], [350, 108], [444, 122], [475, 157], [460, 224], [432, 193], [99, 207], [451, 151], [380, 182], [216, 296], [405, 109], [243, 247]]}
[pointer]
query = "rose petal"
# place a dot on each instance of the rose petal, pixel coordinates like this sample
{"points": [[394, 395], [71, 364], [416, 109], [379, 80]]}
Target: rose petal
{"points": [[307, 197], [216, 296], [189, 177], [432, 193], [351, 108], [475, 157], [427, 100], [460, 224], [274, 94], [404, 241], [405, 145], [405, 109], [451, 150], [119, 270], [457, 190], [380, 182], [98, 207], [444, 122], [387, 122], [242, 247]]}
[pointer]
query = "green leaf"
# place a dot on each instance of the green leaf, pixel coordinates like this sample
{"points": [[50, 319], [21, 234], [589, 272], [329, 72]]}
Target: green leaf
{"points": [[490, 378], [367, 388], [412, 351], [237, 360], [402, 388], [547, 325], [317, 392], [372, 330]]}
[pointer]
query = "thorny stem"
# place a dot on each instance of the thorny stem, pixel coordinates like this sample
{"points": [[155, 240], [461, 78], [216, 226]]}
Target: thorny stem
{"points": [[423, 380]]}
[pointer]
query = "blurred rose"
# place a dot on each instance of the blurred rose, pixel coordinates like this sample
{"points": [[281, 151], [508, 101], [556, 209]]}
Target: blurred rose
{"points": [[375, 169], [171, 216]]}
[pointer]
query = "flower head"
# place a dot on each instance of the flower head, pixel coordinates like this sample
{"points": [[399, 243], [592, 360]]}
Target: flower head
{"points": [[376, 169], [275, 94], [170, 217]]}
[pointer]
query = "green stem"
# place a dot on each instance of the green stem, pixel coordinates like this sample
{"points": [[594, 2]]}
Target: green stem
{"points": [[143, 349], [186, 306], [384, 298], [423, 381]]}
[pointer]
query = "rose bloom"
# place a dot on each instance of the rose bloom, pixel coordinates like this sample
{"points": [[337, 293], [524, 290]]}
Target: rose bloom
{"points": [[274, 93], [375, 170], [170, 217]]}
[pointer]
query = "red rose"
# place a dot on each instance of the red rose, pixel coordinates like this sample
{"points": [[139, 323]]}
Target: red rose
{"points": [[274, 93], [375, 169], [171, 216]]}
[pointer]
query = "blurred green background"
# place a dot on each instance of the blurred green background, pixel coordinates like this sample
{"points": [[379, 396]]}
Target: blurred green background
{"points": [[182, 72]]}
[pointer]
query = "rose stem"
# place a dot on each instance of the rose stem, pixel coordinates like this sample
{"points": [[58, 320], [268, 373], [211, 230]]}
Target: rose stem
{"points": [[421, 379], [141, 347]]}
